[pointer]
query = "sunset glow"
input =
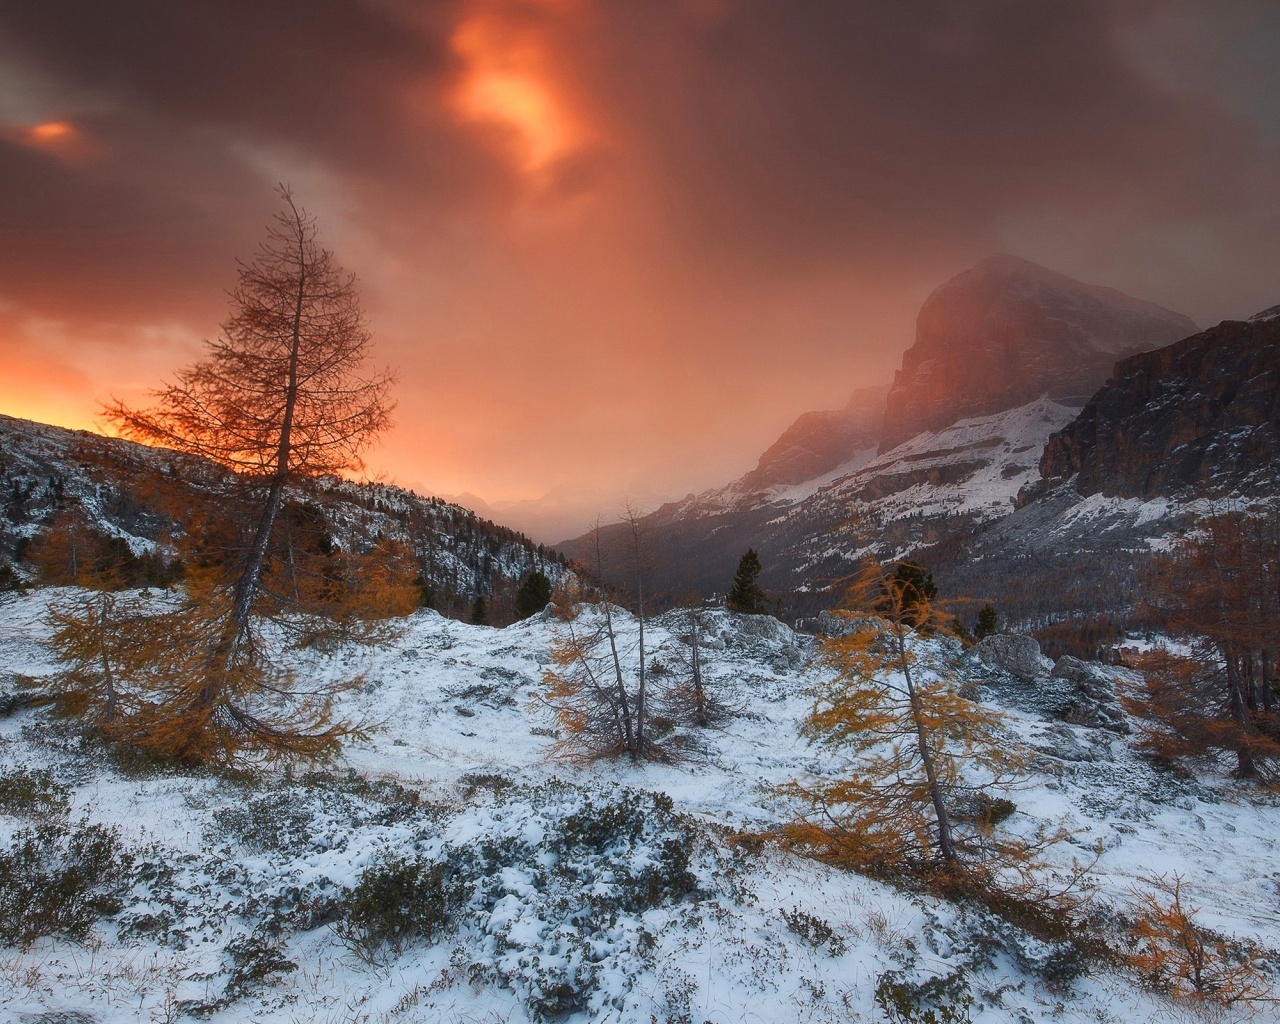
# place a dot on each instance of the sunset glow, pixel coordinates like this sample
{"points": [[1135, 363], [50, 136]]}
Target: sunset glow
{"points": [[50, 131], [504, 86], [614, 250]]}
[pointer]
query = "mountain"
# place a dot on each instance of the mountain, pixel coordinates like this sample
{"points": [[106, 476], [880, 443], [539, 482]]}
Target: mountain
{"points": [[1176, 434], [1005, 353], [819, 442], [1199, 417], [933, 487], [1006, 332], [144, 498]]}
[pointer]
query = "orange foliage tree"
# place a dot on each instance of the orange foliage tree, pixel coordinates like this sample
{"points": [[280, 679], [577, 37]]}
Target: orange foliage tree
{"points": [[1174, 954], [1219, 593], [919, 758], [282, 395]]}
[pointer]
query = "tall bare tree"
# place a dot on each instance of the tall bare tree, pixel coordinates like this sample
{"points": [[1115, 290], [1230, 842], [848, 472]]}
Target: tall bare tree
{"points": [[284, 393]]}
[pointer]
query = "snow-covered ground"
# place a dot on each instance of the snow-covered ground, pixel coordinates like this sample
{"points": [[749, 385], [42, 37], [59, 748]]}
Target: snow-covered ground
{"points": [[607, 893]]}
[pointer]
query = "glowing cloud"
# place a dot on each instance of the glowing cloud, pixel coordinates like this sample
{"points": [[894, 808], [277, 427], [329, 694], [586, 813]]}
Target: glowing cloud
{"points": [[61, 140], [505, 85], [50, 132]]}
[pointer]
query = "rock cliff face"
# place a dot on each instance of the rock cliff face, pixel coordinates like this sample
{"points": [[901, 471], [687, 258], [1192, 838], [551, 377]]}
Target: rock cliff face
{"points": [[1007, 332], [1199, 416], [819, 442]]}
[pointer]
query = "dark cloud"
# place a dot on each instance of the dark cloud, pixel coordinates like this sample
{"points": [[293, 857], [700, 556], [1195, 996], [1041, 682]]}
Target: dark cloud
{"points": [[710, 204], [870, 131], [321, 75]]}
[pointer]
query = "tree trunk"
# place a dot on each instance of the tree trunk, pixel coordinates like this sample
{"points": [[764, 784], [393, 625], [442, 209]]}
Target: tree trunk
{"points": [[1246, 768], [108, 677], [246, 588], [699, 700], [946, 840], [640, 689]]}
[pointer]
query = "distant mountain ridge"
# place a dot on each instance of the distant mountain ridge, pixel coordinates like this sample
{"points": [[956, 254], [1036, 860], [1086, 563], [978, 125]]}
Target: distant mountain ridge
{"points": [[1008, 331], [1005, 354], [138, 494], [818, 442]]}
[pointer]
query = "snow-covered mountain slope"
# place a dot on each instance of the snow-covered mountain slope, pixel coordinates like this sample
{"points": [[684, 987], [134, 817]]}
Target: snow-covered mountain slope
{"points": [[938, 485], [608, 893], [146, 496], [1177, 434]]}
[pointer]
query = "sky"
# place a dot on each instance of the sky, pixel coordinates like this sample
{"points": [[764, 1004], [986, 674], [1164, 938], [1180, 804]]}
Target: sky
{"points": [[612, 248]]}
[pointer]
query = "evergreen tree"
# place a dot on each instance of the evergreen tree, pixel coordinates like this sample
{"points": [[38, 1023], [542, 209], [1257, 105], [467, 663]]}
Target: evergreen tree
{"points": [[533, 595], [910, 591], [745, 595], [284, 395], [479, 612], [986, 625]]}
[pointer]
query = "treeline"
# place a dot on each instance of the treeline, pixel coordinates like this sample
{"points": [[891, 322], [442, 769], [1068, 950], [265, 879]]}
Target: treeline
{"points": [[145, 514]]}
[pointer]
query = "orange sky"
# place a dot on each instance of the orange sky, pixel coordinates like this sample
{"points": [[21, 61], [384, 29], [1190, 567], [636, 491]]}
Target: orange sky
{"points": [[614, 249]]}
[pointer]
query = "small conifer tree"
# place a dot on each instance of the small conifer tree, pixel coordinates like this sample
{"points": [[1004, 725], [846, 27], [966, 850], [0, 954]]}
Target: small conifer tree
{"points": [[987, 624], [920, 755], [479, 612], [533, 595], [745, 595]]}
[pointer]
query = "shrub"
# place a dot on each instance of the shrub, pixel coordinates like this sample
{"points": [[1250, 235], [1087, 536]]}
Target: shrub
{"points": [[33, 793], [944, 999], [984, 810], [55, 879], [815, 931], [253, 960], [396, 901], [9, 580]]}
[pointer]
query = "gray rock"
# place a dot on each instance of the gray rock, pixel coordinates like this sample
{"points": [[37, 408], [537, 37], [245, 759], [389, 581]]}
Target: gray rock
{"points": [[1017, 655], [1064, 743], [1088, 694]]}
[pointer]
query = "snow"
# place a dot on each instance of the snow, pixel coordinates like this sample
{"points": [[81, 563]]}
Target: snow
{"points": [[455, 721]]}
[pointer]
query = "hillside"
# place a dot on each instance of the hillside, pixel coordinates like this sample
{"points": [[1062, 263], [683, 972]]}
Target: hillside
{"points": [[938, 485], [611, 892], [147, 498]]}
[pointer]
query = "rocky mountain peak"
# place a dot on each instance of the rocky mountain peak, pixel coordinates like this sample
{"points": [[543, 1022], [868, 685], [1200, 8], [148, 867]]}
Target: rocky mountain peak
{"points": [[1007, 331]]}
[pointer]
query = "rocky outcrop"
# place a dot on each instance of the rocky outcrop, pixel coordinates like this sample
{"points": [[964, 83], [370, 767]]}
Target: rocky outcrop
{"points": [[1007, 332], [1087, 694], [1017, 655], [1201, 416], [1011, 668], [819, 442]]}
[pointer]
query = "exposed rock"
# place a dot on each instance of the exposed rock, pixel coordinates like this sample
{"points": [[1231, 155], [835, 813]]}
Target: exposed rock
{"points": [[1006, 332], [1199, 416], [1087, 695], [1017, 655], [1066, 744], [819, 442]]}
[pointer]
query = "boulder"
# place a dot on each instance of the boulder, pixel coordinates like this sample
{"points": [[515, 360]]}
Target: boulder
{"points": [[1012, 653]]}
